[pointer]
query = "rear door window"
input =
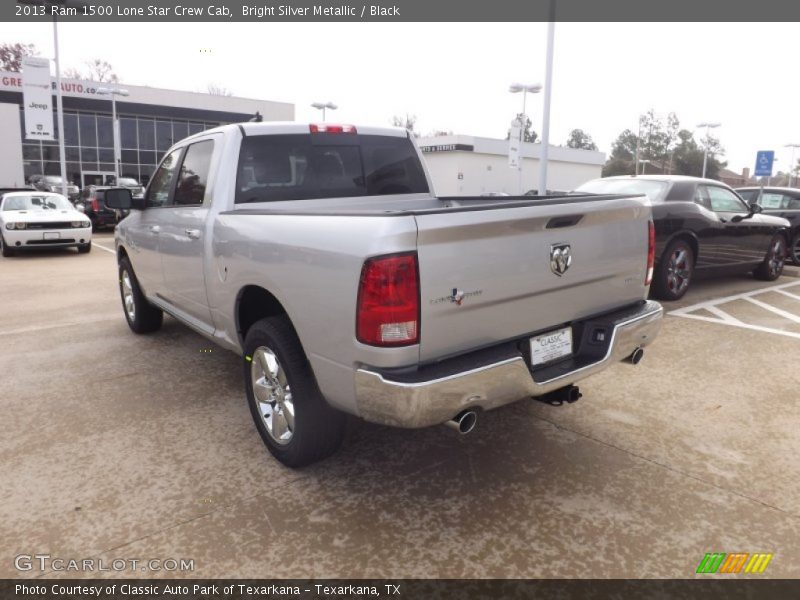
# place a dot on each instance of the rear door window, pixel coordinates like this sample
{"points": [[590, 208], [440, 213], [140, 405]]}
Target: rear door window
{"points": [[299, 167]]}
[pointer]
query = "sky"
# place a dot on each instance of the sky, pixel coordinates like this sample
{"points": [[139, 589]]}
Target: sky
{"points": [[455, 76]]}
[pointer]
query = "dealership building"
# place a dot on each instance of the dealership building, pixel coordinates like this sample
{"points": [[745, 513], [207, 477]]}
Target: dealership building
{"points": [[463, 165], [150, 121]]}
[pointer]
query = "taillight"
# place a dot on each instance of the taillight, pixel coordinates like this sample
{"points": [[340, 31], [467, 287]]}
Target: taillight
{"points": [[328, 128], [95, 205], [388, 301], [651, 252]]}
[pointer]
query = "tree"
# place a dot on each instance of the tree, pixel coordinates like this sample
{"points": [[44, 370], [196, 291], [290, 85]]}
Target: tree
{"points": [[409, 122], [11, 55], [98, 70], [688, 156], [581, 140], [218, 90], [529, 135], [624, 147]]}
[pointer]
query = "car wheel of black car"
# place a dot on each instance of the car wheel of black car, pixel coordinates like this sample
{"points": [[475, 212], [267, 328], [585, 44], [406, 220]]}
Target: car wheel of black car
{"points": [[7, 250], [85, 248], [295, 422], [142, 317], [772, 267], [674, 273], [794, 250]]}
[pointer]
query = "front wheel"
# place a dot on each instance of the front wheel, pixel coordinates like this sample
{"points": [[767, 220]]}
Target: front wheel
{"points": [[674, 273], [8, 251], [772, 267], [295, 422], [85, 248], [142, 317]]}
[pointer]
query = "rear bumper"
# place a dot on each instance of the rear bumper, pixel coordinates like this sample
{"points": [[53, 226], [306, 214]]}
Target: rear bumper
{"points": [[499, 376]]}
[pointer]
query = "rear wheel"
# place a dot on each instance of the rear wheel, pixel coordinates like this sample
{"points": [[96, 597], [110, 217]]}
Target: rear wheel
{"points": [[772, 267], [295, 422], [674, 273], [142, 316], [7, 250]]}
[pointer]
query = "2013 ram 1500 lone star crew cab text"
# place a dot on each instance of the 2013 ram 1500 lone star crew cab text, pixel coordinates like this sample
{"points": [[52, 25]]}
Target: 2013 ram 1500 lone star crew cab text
{"points": [[320, 254]]}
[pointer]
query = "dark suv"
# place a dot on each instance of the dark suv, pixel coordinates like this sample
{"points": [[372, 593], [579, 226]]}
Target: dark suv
{"points": [[94, 206], [782, 202], [52, 183]]}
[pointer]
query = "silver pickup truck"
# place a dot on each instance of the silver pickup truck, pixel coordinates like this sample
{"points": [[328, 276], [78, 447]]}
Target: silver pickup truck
{"points": [[320, 254]]}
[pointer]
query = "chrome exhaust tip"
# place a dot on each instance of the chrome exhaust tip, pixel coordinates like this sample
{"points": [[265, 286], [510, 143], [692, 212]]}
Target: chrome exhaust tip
{"points": [[636, 356], [463, 422]]}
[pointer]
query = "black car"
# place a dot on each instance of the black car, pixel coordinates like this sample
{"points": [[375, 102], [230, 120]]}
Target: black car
{"points": [[702, 227], [781, 202], [53, 183], [94, 207]]}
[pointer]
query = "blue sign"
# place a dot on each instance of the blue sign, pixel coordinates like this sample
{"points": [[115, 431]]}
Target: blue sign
{"points": [[764, 160]]}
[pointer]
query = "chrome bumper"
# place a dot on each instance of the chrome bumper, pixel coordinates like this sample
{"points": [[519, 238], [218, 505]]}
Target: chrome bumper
{"points": [[431, 402]]}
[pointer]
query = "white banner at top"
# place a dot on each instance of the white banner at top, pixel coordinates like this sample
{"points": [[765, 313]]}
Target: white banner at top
{"points": [[37, 98]]}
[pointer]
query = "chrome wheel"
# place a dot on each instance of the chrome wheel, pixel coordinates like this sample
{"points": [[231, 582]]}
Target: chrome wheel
{"points": [[678, 271], [776, 257], [273, 395], [127, 296]]}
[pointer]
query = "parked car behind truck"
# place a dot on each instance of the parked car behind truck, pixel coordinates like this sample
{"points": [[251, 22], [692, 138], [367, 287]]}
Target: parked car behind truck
{"points": [[702, 227], [779, 202], [320, 255]]}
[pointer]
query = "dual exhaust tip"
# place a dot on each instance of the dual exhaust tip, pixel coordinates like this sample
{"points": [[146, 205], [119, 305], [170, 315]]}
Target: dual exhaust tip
{"points": [[465, 421]]}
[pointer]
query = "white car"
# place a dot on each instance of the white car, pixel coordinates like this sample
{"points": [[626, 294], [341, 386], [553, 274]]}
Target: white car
{"points": [[33, 219]]}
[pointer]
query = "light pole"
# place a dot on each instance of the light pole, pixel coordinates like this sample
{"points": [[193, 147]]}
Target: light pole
{"points": [[114, 92], [548, 88], [791, 164], [644, 162], [515, 88], [708, 127], [322, 106]]}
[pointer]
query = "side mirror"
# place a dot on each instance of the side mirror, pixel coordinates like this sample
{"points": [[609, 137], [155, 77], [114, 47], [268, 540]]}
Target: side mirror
{"points": [[121, 199], [755, 208]]}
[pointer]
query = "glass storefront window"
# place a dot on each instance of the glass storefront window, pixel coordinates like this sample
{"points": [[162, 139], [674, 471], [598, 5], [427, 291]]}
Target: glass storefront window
{"points": [[180, 130], [31, 152], [127, 133], [50, 153], [88, 130], [72, 153], [147, 134], [105, 132], [70, 129], [105, 155], [163, 135]]}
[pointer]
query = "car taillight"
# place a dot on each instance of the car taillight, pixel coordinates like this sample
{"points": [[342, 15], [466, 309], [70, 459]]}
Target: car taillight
{"points": [[328, 128], [651, 252], [95, 205], [388, 301]]}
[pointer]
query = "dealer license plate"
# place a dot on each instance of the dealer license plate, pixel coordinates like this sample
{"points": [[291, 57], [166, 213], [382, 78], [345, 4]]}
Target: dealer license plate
{"points": [[51, 235], [551, 346]]}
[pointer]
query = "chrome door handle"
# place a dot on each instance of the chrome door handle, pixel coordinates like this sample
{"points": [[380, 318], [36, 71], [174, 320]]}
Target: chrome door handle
{"points": [[193, 234], [155, 229]]}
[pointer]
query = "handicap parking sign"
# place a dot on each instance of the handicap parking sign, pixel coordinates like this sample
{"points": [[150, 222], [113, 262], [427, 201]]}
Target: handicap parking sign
{"points": [[764, 160]]}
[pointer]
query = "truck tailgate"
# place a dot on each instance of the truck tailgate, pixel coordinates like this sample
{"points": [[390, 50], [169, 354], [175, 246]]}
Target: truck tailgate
{"points": [[486, 275]]}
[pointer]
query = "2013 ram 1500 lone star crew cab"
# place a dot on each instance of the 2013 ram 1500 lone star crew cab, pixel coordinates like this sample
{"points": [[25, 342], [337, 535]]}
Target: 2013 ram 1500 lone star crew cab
{"points": [[320, 255]]}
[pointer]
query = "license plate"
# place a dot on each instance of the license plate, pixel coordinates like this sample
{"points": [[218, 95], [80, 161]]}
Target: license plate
{"points": [[52, 235], [551, 345]]}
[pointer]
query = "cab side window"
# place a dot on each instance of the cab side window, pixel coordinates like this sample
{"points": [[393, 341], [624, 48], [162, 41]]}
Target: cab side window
{"points": [[161, 184], [722, 200], [193, 177], [701, 197]]}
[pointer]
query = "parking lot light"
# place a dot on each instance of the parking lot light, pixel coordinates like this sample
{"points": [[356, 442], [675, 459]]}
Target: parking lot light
{"points": [[708, 127], [114, 92], [515, 88], [324, 105]]}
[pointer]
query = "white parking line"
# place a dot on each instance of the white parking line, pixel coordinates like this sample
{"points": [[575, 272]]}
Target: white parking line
{"points": [[723, 318], [96, 245]]}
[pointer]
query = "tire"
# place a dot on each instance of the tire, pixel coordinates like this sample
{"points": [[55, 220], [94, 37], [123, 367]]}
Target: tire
{"points": [[295, 422], [8, 251], [794, 250], [772, 267], [675, 270], [142, 317], [85, 248]]}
